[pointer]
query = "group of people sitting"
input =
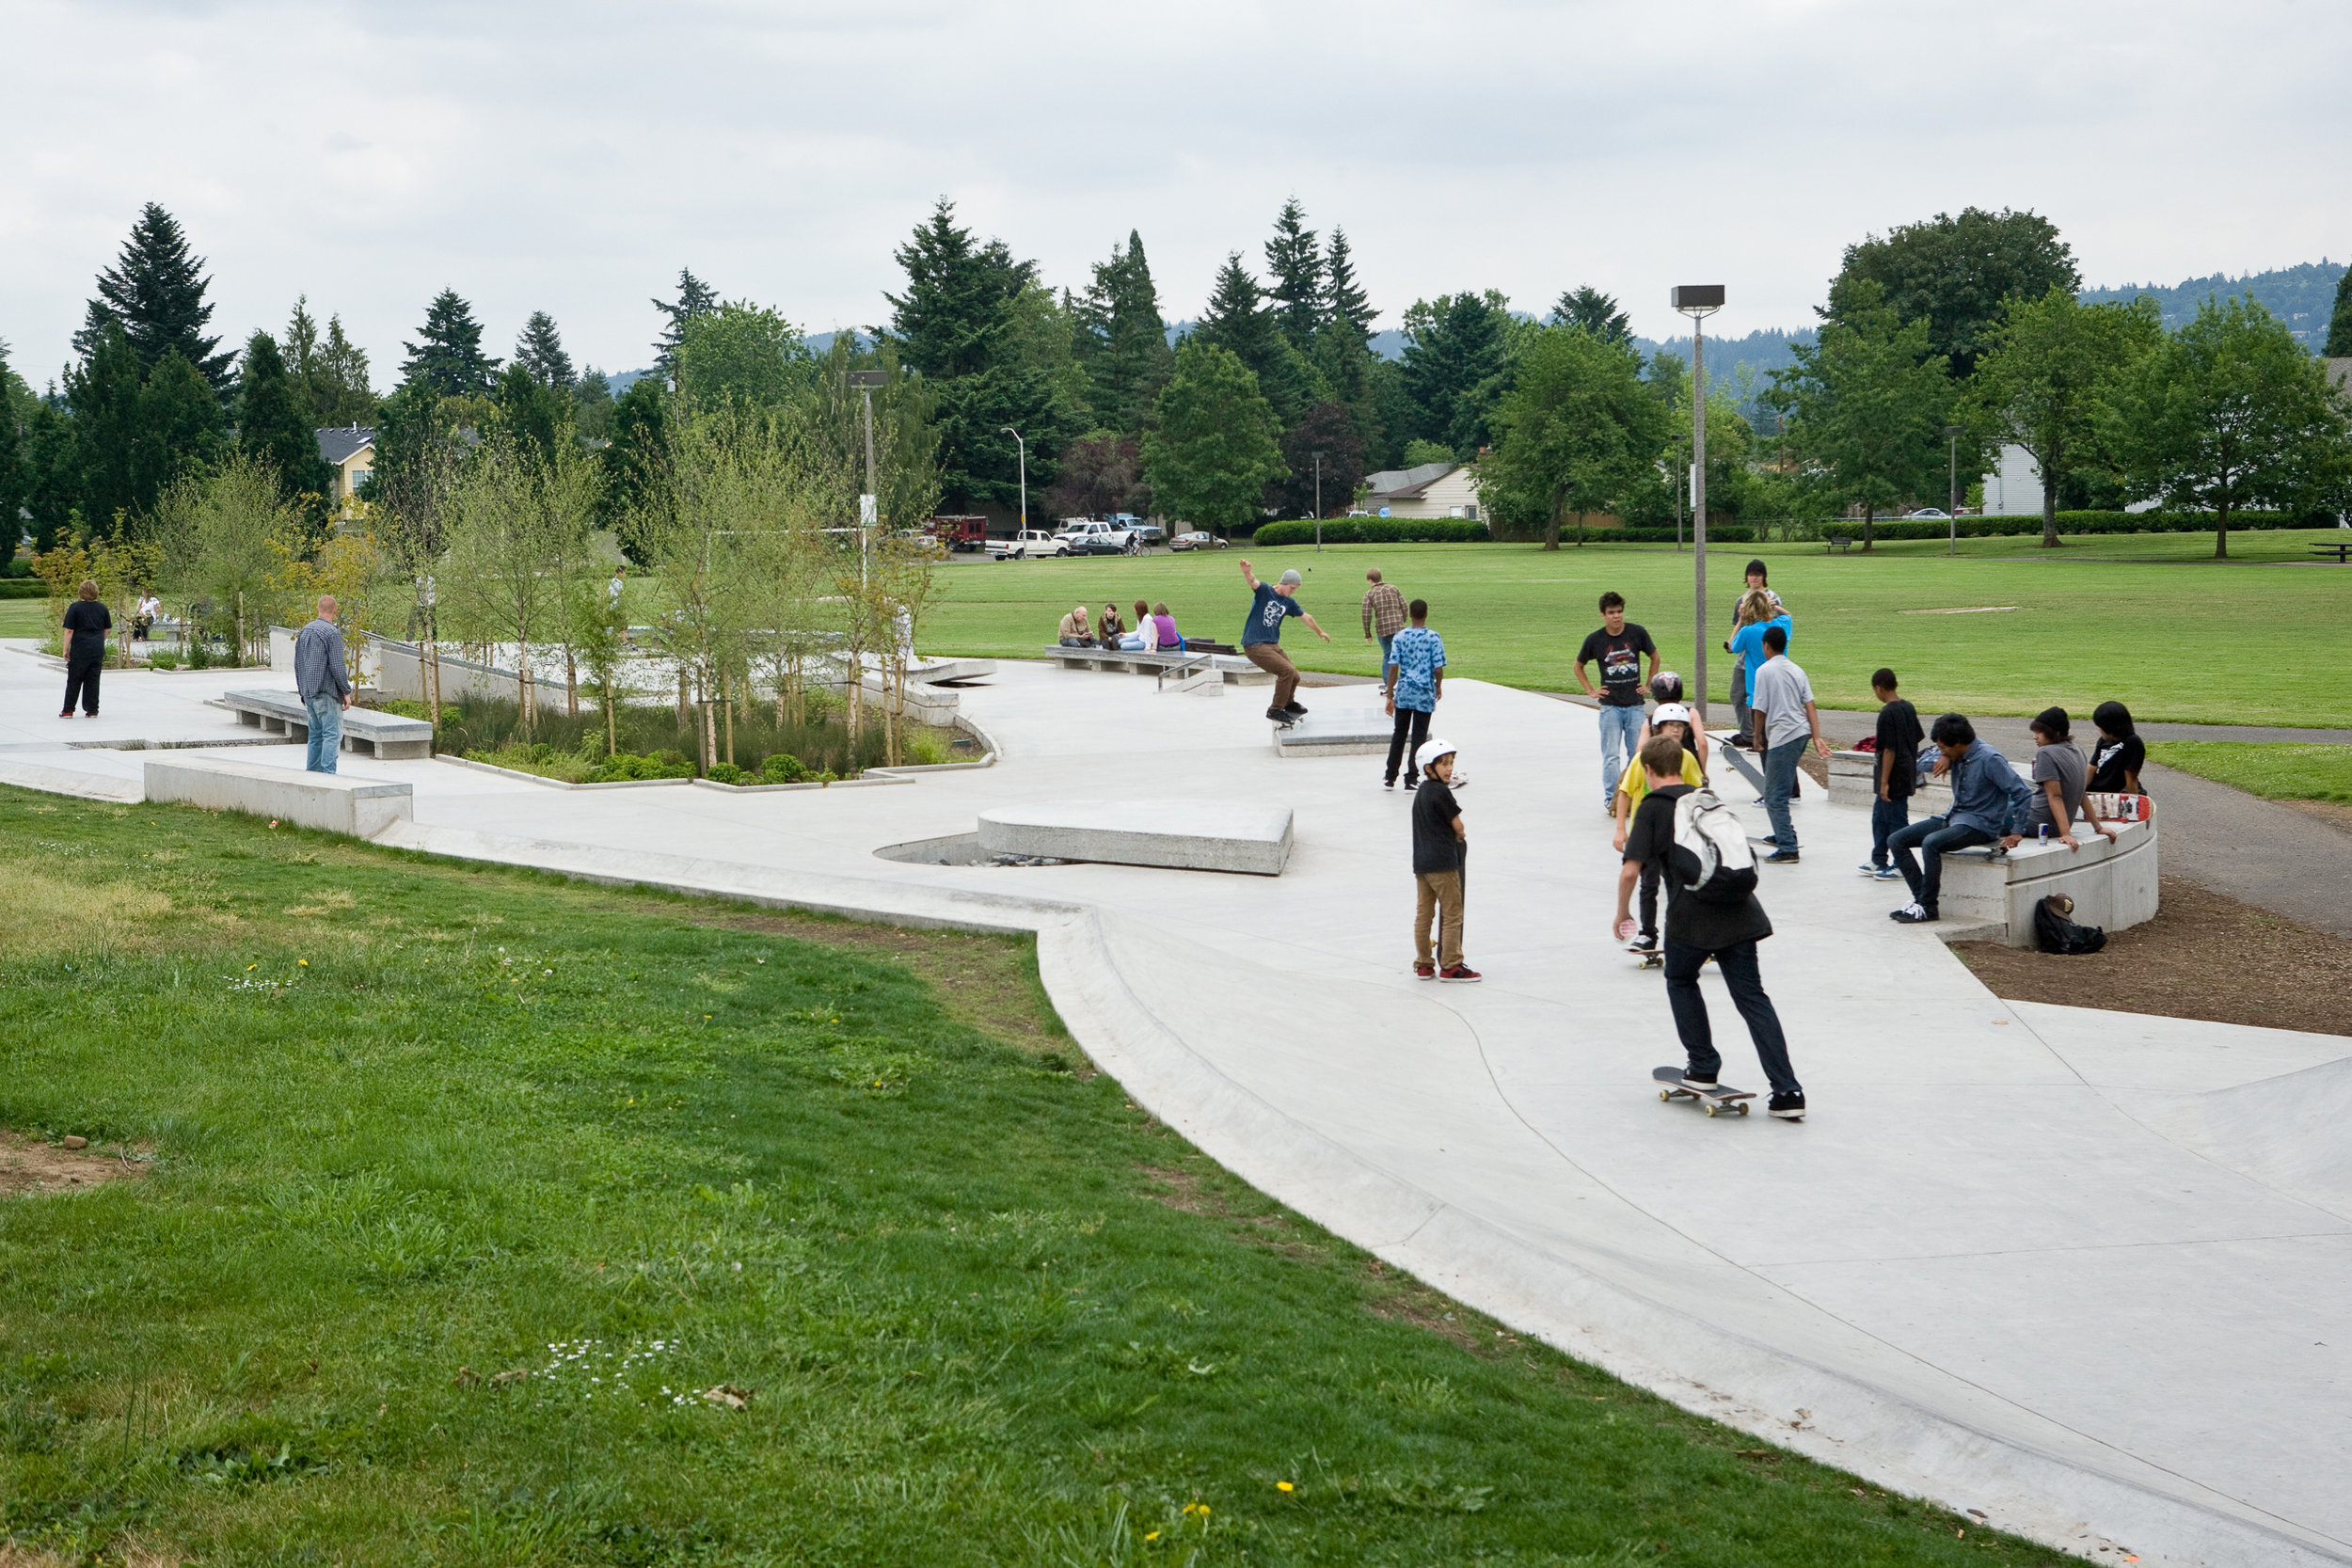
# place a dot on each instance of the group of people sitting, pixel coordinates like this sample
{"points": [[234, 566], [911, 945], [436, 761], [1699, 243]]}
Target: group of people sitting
{"points": [[1155, 630]]}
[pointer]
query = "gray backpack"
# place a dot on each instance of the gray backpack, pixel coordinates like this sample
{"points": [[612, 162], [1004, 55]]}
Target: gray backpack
{"points": [[1722, 868]]}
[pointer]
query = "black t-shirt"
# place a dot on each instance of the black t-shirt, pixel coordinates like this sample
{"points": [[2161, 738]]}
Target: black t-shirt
{"points": [[90, 621], [2111, 760], [1435, 847], [1690, 922], [1900, 737], [1620, 659]]}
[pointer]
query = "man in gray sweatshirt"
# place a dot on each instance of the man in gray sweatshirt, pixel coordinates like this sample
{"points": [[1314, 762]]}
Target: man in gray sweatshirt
{"points": [[320, 681]]}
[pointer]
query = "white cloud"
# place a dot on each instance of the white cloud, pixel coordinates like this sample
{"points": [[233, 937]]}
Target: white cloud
{"points": [[571, 158]]}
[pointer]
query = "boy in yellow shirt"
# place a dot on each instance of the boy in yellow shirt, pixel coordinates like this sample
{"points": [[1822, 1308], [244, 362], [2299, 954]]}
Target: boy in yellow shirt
{"points": [[1633, 786]]}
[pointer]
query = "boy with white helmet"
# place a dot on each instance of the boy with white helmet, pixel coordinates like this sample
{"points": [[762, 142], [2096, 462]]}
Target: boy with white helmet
{"points": [[1440, 848]]}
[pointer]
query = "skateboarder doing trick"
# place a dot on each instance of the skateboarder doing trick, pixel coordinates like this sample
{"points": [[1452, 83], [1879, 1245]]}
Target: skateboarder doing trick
{"points": [[1262, 640], [1703, 921]]}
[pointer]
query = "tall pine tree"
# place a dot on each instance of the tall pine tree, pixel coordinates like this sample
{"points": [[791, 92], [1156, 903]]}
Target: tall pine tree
{"points": [[1596, 313], [1456, 368], [2340, 323], [540, 350], [155, 293], [1294, 274], [1123, 342], [339, 391], [15, 399], [274, 424], [1343, 348], [694, 298], [450, 359], [1238, 321]]}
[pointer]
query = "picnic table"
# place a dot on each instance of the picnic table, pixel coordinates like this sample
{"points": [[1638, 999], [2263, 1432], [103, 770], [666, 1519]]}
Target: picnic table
{"points": [[2340, 548], [1840, 541]]}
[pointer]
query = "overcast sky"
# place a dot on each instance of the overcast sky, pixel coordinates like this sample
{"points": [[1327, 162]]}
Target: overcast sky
{"points": [[571, 158]]}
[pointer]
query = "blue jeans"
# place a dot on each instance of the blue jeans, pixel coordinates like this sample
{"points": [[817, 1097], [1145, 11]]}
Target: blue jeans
{"points": [[1386, 643], [1620, 730], [1887, 818], [326, 732], [1747, 992], [1938, 838], [1780, 780]]}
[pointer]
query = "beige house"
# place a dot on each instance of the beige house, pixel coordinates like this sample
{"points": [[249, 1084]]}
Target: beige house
{"points": [[349, 452], [1430, 490]]}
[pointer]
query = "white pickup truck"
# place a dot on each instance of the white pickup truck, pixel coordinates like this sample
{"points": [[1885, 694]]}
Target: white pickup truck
{"points": [[1083, 536], [1024, 545]]}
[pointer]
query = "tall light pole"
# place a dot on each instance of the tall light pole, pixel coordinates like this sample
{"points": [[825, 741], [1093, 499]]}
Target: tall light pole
{"points": [[1318, 503], [1023, 447], [1698, 301], [868, 510], [1951, 435]]}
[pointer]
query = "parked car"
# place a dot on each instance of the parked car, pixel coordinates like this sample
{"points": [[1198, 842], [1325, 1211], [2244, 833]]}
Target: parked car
{"points": [[1928, 514], [1196, 541], [1089, 536], [1026, 546]]}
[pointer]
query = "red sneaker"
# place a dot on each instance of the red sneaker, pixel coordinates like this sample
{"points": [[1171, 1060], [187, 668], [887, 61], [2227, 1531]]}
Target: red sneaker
{"points": [[1425, 971], [1459, 972]]}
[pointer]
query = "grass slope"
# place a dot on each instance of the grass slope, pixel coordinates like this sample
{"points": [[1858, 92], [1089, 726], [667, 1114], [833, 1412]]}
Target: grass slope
{"points": [[421, 1129], [2143, 618], [2279, 770]]}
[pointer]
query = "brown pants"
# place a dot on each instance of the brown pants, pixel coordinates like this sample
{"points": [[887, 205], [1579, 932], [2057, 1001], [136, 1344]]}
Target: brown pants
{"points": [[1270, 658], [1440, 896]]}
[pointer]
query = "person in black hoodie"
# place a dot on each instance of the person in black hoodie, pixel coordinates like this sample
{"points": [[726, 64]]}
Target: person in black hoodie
{"points": [[1894, 766], [1440, 856]]}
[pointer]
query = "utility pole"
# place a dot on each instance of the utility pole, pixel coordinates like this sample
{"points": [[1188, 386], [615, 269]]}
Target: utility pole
{"points": [[1318, 503], [868, 511], [1951, 435], [1023, 447], [1698, 301]]}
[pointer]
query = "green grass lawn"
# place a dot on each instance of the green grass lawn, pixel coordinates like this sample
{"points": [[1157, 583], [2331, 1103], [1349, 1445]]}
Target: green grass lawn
{"points": [[2151, 620], [2279, 770], [462, 1186], [24, 618]]}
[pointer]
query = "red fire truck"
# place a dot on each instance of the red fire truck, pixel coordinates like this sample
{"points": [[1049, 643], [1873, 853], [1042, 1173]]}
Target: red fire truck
{"points": [[965, 533]]}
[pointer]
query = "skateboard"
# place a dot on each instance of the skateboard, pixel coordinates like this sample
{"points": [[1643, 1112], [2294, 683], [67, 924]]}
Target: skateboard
{"points": [[1652, 957], [1722, 1098], [1285, 721]]}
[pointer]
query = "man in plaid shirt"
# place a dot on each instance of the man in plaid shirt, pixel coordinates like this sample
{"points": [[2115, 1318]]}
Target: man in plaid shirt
{"points": [[1384, 617]]}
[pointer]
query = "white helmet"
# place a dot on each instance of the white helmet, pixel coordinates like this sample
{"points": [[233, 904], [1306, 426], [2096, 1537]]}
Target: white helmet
{"points": [[1430, 751], [1670, 713]]}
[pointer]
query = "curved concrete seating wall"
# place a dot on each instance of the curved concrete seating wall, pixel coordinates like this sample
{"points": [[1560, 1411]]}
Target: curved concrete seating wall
{"points": [[2113, 885], [360, 807]]}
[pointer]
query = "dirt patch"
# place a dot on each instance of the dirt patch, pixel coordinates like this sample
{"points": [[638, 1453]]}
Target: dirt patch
{"points": [[1184, 1191], [30, 1164], [2206, 955], [2334, 813]]}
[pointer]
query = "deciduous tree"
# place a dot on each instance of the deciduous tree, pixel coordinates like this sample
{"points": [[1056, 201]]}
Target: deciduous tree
{"points": [[1100, 472], [1326, 428], [2045, 378], [1865, 405], [1956, 274], [1213, 451], [1577, 432]]}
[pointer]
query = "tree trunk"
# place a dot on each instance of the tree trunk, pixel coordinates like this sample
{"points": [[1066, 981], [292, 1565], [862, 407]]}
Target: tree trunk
{"points": [[1869, 516], [1551, 531], [2221, 530], [1580, 529], [571, 684], [2049, 513], [611, 735]]}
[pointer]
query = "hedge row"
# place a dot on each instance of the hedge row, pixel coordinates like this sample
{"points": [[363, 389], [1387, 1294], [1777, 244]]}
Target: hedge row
{"points": [[22, 588], [1374, 530]]}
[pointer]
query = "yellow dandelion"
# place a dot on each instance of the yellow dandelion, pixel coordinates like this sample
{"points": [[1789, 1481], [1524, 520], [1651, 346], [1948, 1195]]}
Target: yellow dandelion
{"points": [[1150, 1535], [304, 962], [1284, 1486], [250, 967]]}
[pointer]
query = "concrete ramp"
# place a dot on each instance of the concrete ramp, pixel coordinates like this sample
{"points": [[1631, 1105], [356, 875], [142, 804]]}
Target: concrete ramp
{"points": [[2292, 1133], [1183, 835], [1347, 732], [329, 801]]}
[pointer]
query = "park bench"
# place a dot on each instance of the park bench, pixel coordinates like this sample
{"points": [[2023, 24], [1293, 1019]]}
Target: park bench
{"points": [[1838, 542], [2340, 548], [1234, 669], [386, 736], [329, 801]]}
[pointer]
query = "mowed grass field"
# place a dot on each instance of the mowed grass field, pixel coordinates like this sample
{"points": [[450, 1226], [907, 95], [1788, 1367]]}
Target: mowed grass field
{"points": [[459, 1215], [2004, 627], [2278, 770]]}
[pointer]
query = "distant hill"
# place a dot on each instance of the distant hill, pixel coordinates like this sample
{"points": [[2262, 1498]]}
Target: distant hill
{"points": [[2301, 296], [621, 381]]}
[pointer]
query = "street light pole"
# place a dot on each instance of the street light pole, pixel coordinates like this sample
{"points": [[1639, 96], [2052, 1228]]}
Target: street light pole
{"points": [[1951, 435], [868, 510], [1698, 301], [1318, 503], [1022, 447]]}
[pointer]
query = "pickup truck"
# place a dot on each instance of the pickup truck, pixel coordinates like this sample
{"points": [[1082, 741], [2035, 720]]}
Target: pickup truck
{"points": [[1023, 547], [1087, 537]]}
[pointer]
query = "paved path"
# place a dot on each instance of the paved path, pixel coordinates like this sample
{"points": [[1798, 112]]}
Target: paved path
{"points": [[2083, 1271]]}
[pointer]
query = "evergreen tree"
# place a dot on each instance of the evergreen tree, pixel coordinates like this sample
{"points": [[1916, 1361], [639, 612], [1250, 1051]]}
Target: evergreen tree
{"points": [[450, 359], [340, 393], [102, 391], [1238, 321], [301, 352], [1210, 451], [15, 399], [1342, 352], [1295, 269], [274, 425], [2340, 323], [1121, 339], [632, 463], [592, 399], [1596, 313], [1456, 368], [1346, 306], [539, 417], [155, 293], [694, 298], [540, 350], [180, 430]]}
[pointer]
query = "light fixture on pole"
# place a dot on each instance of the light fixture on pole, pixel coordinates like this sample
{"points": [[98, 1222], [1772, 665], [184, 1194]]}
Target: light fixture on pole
{"points": [[868, 511], [1023, 447], [1698, 301], [1951, 435], [1318, 503]]}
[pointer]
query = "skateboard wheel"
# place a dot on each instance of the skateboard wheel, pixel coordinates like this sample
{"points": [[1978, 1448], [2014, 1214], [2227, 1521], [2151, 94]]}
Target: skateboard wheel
{"points": [[1711, 1108], [1744, 1110], [1665, 1094]]}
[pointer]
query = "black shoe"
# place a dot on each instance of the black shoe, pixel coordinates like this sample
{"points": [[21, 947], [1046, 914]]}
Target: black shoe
{"points": [[1279, 716], [1294, 707], [1694, 1081], [1788, 1108], [1412, 784], [1914, 913], [1781, 857]]}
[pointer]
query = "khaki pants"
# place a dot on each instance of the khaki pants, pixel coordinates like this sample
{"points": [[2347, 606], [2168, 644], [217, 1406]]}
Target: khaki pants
{"points": [[1439, 895], [1270, 658]]}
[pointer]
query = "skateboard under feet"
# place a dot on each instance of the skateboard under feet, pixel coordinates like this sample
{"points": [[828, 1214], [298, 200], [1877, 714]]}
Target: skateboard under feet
{"points": [[1716, 1098]]}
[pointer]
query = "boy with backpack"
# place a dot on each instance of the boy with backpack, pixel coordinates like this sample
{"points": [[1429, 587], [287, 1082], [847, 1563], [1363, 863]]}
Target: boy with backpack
{"points": [[1701, 855], [1441, 854]]}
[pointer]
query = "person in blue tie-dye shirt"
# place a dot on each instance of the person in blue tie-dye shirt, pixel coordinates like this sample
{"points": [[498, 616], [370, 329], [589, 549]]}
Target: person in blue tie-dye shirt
{"points": [[1415, 676]]}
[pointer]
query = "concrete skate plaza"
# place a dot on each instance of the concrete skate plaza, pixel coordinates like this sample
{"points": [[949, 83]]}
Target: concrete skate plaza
{"points": [[2084, 1272]]}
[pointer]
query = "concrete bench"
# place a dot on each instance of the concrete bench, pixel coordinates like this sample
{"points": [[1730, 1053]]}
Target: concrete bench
{"points": [[359, 807], [1993, 892], [1336, 733], [1183, 835], [1232, 668], [385, 736], [1854, 782]]}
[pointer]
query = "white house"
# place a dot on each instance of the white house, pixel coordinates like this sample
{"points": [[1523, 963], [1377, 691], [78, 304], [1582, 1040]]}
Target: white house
{"points": [[1430, 490], [2014, 488]]}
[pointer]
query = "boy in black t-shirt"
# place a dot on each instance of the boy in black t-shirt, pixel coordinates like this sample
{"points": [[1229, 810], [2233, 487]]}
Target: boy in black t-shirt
{"points": [[1441, 854], [1618, 645], [1894, 766], [1698, 929], [86, 623]]}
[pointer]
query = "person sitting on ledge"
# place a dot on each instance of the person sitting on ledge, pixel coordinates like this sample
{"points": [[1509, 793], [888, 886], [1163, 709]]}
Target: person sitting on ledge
{"points": [[1164, 628], [1987, 797], [2116, 761], [1110, 627], [1073, 629], [1145, 636], [2059, 772]]}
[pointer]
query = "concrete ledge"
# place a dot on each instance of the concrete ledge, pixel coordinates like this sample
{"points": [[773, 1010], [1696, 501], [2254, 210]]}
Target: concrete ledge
{"points": [[1232, 668], [360, 807], [1342, 733], [387, 736], [2113, 885], [1178, 834], [1854, 782]]}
